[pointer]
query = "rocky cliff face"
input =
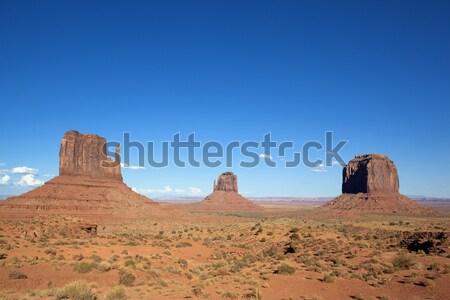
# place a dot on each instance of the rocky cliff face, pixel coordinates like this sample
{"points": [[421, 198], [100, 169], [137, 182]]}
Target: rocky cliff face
{"points": [[227, 182], [84, 154], [370, 185], [370, 173]]}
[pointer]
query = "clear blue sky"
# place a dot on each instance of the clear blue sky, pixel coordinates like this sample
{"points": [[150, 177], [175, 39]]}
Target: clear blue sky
{"points": [[376, 73]]}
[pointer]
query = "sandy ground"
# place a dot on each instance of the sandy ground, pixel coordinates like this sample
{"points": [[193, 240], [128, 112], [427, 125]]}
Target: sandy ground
{"points": [[285, 252]]}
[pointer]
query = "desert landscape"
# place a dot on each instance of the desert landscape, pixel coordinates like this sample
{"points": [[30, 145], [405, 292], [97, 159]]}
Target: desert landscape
{"points": [[224, 150], [86, 235]]}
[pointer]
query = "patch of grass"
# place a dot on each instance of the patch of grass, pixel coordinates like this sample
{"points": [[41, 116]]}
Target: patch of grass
{"points": [[130, 263], [182, 262], [285, 269], [126, 277], [197, 290], [161, 282], [272, 251], [77, 290], [329, 279], [116, 293], [230, 295], [183, 244], [17, 275], [84, 267], [403, 261], [104, 266]]}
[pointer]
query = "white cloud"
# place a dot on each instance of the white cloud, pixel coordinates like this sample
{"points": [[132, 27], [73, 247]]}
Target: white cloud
{"points": [[125, 166], [5, 179], [195, 190], [262, 155], [24, 170], [29, 180], [321, 168], [168, 190]]}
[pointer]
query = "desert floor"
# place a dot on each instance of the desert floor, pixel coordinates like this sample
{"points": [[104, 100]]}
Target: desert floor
{"points": [[284, 253]]}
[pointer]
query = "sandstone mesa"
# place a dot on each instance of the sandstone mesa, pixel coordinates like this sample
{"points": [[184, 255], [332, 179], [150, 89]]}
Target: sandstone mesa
{"points": [[370, 184]]}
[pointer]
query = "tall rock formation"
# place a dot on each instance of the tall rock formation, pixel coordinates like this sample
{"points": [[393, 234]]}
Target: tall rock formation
{"points": [[85, 154], [370, 184], [225, 197], [227, 182], [370, 173], [89, 185]]}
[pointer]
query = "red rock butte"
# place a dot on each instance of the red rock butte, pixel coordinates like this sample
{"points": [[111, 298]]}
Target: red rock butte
{"points": [[370, 184], [225, 197], [89, 185]]}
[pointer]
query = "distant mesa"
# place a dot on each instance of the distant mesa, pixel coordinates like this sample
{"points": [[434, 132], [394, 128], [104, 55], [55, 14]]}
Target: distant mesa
{"points": [[224, 198], [227, 182], [370, 184], [89, 185]]}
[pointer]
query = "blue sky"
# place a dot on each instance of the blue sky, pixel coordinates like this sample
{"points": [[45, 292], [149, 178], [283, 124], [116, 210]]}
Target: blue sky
{"points": [[375, 73]]}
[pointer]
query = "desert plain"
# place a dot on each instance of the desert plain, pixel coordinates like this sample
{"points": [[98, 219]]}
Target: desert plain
{"points": [[86, 235], [285, 252]]}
